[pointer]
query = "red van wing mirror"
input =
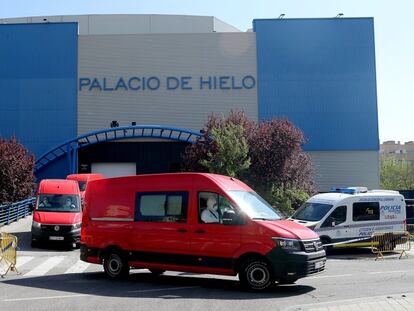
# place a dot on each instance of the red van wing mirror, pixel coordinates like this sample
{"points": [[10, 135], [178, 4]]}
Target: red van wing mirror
{"points": [[231, 218]]}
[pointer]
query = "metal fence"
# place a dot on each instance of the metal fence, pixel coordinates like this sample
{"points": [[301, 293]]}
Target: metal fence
{"points": [[8, 252], [12, 212], [390, 242]]}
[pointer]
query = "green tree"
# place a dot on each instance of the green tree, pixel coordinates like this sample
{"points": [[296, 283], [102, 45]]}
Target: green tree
{"points": [[267, 155], [287, 200], [397, 174], [231, 153]]}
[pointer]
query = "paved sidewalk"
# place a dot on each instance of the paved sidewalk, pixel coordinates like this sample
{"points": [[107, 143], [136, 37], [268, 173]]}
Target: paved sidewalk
{"points": [[22, 225], [401, 302]]}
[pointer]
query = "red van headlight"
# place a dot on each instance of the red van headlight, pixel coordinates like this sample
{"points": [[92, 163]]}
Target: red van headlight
{"points": [[77, 225], [36, 225], [288, 244]]}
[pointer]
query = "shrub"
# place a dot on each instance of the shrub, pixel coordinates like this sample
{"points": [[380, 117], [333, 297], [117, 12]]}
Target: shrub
{"points": [[397, 174], [16, 171], [288, 200]]}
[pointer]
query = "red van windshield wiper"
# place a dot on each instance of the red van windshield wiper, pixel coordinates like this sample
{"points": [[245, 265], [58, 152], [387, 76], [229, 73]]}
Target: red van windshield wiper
{"points": [[262, 218]]}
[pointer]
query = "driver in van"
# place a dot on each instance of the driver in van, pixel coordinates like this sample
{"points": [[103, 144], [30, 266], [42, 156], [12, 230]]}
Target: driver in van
{"points": [[44, 202], [69, 204], [211, 214]]}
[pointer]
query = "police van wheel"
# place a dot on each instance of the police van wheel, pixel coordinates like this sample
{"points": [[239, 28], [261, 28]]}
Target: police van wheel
{"points": [[256, 275], [156, 271], [325, 241], [115, 266]]}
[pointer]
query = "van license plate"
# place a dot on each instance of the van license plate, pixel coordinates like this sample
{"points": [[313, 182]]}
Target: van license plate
{"points": [[318, 264], [56, 238]]}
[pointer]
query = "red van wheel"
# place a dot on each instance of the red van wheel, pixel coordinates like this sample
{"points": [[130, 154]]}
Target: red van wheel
{"points": [[115, 266], [255, 274]]}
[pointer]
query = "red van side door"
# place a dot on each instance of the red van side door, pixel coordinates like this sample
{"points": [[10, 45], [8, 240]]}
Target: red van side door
{"points": [[214, 243], [161, 225]]}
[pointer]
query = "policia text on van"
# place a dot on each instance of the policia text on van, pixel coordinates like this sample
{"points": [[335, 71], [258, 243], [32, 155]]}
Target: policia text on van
{"points": [[201, 223]]}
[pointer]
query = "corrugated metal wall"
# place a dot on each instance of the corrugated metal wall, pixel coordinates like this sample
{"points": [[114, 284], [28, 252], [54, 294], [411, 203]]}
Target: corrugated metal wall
{"points": [[320, 73], [192, 56], [38, 77], [346, 168]]}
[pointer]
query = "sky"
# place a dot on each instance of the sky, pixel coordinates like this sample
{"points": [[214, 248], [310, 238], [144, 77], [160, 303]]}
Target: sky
{"points": [[394, 36]]}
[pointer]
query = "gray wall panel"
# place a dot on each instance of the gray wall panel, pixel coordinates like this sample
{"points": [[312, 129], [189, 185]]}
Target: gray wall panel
{"points": [[220, 26], [195, 55], [346, 168], [106, 24]]}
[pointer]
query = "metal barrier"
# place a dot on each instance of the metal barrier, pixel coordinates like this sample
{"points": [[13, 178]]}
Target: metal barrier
{"points": [[388, 242], [410, 229], [8, 252], [12, 212]]}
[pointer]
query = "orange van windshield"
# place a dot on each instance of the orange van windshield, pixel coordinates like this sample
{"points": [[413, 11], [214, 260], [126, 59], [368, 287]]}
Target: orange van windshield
{"points": [[58, 203], [82, 185]]}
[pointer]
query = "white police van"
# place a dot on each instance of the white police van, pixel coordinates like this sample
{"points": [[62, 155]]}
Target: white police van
{"points": [[352, 214]]}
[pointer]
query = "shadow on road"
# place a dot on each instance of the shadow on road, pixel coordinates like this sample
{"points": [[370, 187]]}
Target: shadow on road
{"points": [[355, 253], [24, 244], [146, 285]]}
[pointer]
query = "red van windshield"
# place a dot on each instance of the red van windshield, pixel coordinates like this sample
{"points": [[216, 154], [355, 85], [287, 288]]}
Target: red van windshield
{"points": [[254, 205], [58, 203]]}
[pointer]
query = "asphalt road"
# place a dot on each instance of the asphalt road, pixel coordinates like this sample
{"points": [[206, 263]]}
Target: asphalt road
{"points": [[53, 278]]}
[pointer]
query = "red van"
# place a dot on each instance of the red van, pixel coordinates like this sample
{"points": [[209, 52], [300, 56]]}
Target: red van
{"points": [[83, 180], [57, 214], [194, 222]]}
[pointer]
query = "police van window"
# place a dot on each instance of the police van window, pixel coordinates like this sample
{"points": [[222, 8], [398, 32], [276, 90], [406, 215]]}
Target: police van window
{"points": [[161, 206], [365, 211], [211, 207], [338, 216]]}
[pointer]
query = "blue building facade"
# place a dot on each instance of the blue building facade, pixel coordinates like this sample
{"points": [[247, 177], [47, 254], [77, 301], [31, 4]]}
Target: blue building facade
{"points": [[320, 73], [38, 85]]}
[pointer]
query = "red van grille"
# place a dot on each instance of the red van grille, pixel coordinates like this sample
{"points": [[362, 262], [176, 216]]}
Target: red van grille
{"points": [[60, 228], [316, 266], [312, 246]]}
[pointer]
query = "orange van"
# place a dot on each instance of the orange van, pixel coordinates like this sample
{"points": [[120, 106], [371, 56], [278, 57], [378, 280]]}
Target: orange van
{"points": [[83, 180], [194, 222], [57, 213]]}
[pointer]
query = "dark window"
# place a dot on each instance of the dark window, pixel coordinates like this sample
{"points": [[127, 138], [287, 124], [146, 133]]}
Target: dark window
{"points": [[312, 211], [161, 206], [338, 216], [211, 207], [82, 185], [58, 203], [365, 211]]}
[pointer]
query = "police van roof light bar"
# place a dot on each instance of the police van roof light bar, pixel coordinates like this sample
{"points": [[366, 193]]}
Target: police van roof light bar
{"points": [[350, 190], [343, 190]]}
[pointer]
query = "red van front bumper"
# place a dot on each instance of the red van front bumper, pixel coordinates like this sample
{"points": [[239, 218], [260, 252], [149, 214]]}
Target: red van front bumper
{"points": [[290, 266]]}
